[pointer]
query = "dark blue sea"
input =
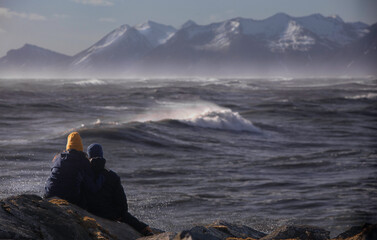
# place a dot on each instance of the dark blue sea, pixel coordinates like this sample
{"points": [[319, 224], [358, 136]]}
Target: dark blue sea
{"points": [[258, 152]]}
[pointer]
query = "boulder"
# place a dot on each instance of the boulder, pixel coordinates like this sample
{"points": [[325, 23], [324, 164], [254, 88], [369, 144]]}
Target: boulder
{"points": [[31, 217], [160, 236], [298, 232], [219, 230], [237, 231], [365, 232]]}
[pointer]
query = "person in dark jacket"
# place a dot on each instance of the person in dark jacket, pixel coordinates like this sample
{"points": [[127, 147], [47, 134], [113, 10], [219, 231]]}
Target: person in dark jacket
{"points": [[110, 201], [71, 174]]}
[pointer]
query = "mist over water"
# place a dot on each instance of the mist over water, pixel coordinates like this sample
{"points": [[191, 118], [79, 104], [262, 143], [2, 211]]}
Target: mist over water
{"points": [[259, 152]]}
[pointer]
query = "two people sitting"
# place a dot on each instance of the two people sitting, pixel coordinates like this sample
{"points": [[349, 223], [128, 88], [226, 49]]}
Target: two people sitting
{"points": [[86, 182]]}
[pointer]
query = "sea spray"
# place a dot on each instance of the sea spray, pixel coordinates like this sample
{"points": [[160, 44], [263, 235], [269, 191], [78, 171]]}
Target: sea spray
{"points": [[92, 81], [222, 119], [363, 96], [198, 114]]}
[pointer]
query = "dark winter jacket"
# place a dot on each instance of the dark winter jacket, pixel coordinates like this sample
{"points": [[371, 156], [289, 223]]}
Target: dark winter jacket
{"points": [[71, 176], [111, 202]]}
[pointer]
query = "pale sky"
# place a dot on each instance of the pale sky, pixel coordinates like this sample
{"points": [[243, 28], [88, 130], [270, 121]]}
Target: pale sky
{"points": [[70, 26]]}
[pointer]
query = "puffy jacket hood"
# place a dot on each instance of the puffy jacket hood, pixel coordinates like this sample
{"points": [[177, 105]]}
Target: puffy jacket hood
{"points": [[98, 164]]}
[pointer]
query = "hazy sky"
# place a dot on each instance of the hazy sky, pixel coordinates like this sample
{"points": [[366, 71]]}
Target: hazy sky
{"points": [[69, 26]]}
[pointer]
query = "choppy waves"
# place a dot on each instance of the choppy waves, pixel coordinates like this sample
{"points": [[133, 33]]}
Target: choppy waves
{"points": [[280, 148], [168, 125]]}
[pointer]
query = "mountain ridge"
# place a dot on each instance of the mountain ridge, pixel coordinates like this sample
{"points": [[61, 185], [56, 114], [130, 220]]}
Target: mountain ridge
{"points": [[275, 45]]}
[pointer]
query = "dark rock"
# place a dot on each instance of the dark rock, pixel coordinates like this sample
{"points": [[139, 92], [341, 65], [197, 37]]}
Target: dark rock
{"points": [[31, 217], [161, 236], [298, 232], [199, 233], [365, 232], [219, 230], [237, 231]]}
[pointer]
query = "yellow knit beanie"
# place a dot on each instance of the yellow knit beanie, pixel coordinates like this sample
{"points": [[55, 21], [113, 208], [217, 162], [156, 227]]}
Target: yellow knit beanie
{"points": [[74, 142]]}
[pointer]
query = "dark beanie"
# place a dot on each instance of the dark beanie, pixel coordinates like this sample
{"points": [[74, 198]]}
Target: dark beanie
{"points": [[95, 151]]}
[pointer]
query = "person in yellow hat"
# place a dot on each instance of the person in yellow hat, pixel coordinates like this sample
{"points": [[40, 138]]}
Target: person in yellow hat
{"points": [[71, 175]]}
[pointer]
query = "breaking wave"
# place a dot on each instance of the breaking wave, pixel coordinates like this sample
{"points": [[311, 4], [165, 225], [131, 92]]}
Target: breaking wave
{"points": [[199, 114], [363, 96], [112, 108], [221, 119], [93, 81]]}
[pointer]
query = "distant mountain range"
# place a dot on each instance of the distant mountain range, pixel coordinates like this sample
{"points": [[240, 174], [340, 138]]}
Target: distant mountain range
{"points": [[279, 45]]}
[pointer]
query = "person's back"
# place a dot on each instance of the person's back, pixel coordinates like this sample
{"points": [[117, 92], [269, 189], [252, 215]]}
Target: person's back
{"points": [[66, 175], [110, 201], [71, 174]]}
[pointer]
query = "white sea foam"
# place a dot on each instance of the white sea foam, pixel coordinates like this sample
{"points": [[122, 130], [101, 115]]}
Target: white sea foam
{"points": [[14, 141], [363, 96], [223, 119], [113, 108], [92, 81], [199, 114], [280, 79], [99, 122]]}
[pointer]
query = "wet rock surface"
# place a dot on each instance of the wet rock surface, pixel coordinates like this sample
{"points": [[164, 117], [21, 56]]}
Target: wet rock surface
{"points": [[365, 232], [31, 217], [298, 232]]}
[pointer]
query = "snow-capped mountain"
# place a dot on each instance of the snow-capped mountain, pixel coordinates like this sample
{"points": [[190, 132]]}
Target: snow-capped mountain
{"points": [[276, 45], [277, 31], [294, 38], [278, 42], [156, 33], [331, 28], [32, 60], [116, 51], [122, 47]]}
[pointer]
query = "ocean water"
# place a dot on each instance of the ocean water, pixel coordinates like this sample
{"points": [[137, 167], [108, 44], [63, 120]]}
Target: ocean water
{"points": [[259, 152]]}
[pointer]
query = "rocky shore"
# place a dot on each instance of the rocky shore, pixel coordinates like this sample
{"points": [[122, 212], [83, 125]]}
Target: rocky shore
{"points": [[31, 217]]}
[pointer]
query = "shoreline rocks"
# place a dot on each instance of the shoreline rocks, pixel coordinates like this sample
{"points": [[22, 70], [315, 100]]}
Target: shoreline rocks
{"points": [[31, 217]]}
